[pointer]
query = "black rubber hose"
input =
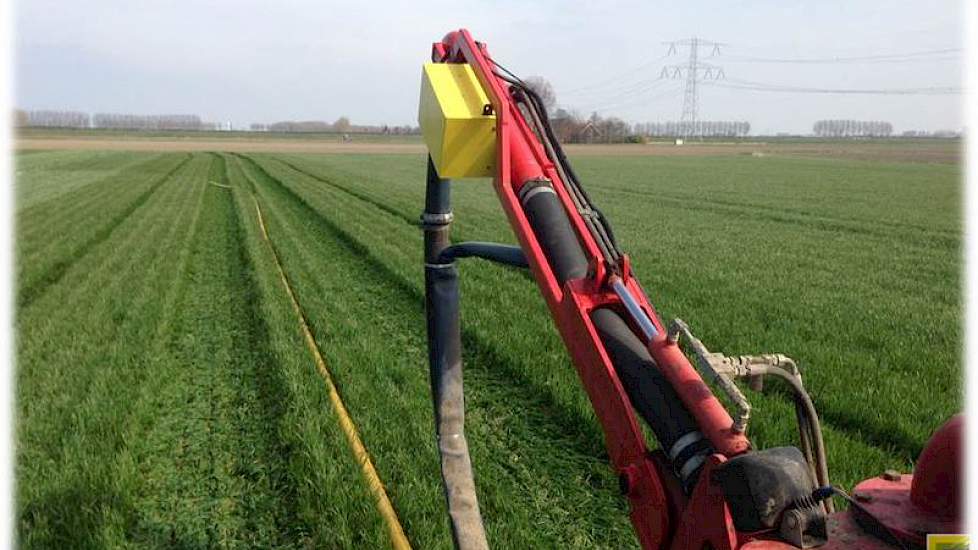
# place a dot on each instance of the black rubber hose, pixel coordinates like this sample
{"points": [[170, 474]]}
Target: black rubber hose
{"points": [[565, 164], [652, 396], [553, 230], [493, 252], [650, 393], [445, 368]]}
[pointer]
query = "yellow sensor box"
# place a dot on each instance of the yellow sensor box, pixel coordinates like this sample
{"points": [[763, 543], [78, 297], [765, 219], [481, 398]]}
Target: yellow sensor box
{"points": [[456, 121]]}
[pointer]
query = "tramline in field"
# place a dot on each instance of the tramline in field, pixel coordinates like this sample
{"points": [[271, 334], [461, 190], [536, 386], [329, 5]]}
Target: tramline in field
{"points": [[706, 486]]}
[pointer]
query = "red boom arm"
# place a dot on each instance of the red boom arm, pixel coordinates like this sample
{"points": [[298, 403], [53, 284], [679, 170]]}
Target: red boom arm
{"points": [[521, 158], [663, 514]]}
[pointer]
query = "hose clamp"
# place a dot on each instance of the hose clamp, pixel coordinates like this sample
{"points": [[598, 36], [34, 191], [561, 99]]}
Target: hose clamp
{"points": [[429, 219], [532, 187]]}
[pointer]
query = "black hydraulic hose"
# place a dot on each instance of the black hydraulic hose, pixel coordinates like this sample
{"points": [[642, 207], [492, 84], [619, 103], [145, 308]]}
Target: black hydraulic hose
{"points": [[445, 366], [811, 424], [553, 230], [653, 396], [498, 253], [650, 393], [591, 217], [562, 160]]}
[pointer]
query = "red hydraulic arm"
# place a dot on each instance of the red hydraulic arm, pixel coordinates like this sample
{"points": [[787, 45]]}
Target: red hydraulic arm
{"points": [[521, 158], [669, 508]]}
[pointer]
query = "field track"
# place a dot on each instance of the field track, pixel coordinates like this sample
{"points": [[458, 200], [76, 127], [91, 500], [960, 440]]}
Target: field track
{"points": [[167, 396], [938, 151]]}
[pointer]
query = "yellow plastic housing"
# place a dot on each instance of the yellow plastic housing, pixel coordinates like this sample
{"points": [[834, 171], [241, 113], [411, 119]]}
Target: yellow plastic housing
{"points": [[460, 138]]}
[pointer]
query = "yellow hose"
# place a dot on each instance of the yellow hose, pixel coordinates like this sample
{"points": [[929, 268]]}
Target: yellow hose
{"points": [[398, 540]]}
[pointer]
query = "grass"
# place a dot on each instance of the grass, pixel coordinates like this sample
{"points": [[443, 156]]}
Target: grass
{"points": [[166, 399], [235, 135]]}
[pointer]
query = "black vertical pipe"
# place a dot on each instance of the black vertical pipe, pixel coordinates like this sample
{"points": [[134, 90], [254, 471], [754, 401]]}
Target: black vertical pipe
{"points": [[437, 217], [445, 367]]}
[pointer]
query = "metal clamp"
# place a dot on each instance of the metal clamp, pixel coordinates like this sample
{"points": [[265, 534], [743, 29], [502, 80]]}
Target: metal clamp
{"points": [[428, 219], [804, 525]]}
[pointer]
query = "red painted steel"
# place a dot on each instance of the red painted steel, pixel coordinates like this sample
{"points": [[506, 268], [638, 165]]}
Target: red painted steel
{"points": [[927, 502], [937, 487]]}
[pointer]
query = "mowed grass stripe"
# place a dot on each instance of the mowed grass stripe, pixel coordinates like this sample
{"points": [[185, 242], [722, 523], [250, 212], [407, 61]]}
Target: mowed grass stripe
{"points": [[54, 337], [902, 195], [376, 486], [331, 498], [216, 474], [374, 339], [76, 391], [40, 223], [43, 177], [922, 237], [37, 276]]}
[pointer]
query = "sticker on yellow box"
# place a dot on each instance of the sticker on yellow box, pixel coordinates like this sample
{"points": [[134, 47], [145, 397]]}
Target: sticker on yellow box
{"points": [[947, 542]]}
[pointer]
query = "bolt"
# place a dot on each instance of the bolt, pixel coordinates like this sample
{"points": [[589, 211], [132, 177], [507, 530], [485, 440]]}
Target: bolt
{"points": [[891, 475], [862, 497]]}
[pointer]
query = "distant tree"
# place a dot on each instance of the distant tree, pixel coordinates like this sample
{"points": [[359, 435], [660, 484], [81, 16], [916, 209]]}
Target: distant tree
{"points": [[566, 125], [58, 119], [544, 89], [342, 124], [20, 118], [852, 128], [147, 122]]}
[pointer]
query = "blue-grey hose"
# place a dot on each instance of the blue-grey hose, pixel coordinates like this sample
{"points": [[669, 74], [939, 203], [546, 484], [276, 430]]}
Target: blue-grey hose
{"points": [[445, 367]]}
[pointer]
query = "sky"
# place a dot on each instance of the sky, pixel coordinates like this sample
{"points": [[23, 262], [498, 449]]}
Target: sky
{"points": [[247, 61]]}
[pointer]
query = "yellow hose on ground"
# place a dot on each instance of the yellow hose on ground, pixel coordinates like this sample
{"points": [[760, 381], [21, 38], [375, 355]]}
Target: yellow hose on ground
{"points": [[398, 540]]}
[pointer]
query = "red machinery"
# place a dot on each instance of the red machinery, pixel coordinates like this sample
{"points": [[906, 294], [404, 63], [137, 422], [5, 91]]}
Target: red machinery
{"points": [[706, 487]]}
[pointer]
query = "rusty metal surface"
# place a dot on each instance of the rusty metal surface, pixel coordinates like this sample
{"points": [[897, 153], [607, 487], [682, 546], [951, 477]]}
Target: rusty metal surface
{"points": [[887, 497], [845, 533]]}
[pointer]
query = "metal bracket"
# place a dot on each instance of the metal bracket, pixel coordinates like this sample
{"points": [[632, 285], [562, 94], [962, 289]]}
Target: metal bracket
{"points": [[717, 368], [722, 369], [804, 526]]}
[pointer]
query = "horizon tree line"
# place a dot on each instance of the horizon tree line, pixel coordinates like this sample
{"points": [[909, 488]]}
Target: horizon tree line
{"points": [[852, 128], [569, 126]]}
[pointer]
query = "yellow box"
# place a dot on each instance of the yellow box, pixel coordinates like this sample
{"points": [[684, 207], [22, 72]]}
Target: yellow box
{"points": [[460, 136]]}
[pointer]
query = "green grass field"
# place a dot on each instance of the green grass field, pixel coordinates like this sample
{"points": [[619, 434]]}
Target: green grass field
{"points": [[165, 397]]}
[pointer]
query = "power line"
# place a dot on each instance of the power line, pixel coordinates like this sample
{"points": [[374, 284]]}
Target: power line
{"points": [[882, 58], [608, 94], [615, 78], [635, 87], [629, 92], [737, 84], [643, 100]]}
